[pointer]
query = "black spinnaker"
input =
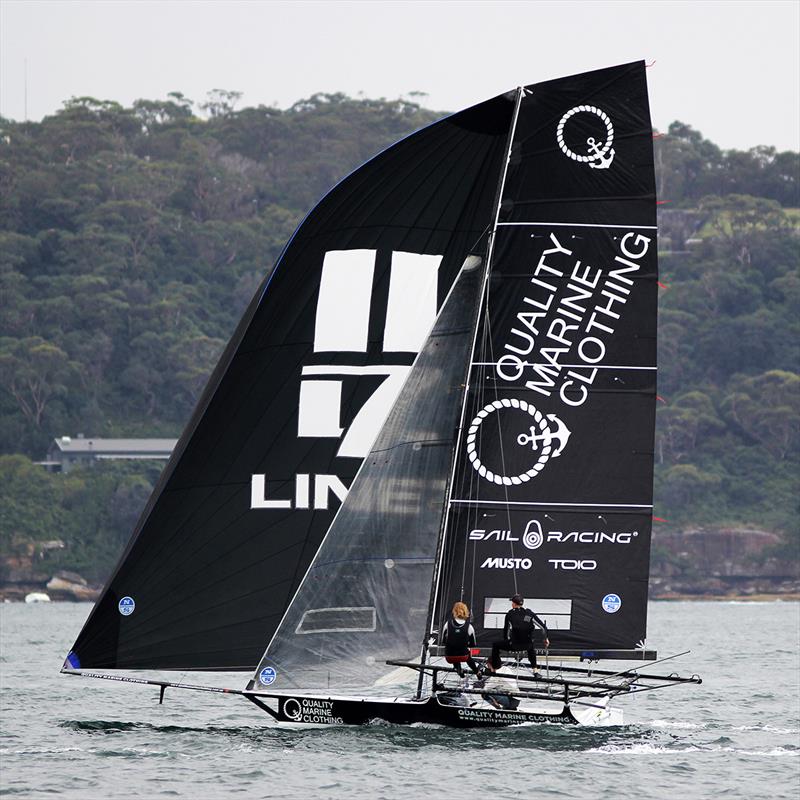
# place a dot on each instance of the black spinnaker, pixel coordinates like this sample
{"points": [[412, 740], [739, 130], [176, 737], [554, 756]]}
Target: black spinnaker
{"points": [[295, 403]]}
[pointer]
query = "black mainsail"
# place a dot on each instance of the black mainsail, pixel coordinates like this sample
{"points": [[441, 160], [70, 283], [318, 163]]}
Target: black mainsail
{"points": [[342, 483], [552, 490]]}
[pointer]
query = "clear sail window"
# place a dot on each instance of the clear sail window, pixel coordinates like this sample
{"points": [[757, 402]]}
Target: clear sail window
{"points": [[556, 614], [338, 620]]}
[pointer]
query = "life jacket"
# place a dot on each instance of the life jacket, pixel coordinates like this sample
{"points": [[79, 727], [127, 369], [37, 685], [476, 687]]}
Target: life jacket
{"points": [[522, 626], [457, 642]]}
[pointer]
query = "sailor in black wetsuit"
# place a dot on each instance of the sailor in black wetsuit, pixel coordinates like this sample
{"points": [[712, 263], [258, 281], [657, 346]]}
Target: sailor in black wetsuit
{"points": [[518, 634], [459, 637]]}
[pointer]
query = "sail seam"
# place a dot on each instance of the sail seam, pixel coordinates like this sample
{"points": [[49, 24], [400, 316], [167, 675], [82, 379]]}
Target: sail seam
{"points": [[551, 503], [565, 366], [576, 225]]}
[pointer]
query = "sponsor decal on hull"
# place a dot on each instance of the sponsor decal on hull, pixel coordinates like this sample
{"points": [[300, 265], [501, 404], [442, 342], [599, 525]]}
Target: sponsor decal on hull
{"points": [[310, 711]]}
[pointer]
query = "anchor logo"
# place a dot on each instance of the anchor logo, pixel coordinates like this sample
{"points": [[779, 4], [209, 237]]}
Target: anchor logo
{"points": [[560, 435], [546, 441], [599, 154]]}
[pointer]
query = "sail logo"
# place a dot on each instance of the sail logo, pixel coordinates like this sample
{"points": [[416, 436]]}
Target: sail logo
{"points": [[267, 676], [507, 563], [599, 154], [347, 322], [545, 441], [612, 603], [559, 337], [572, 563], [533, 538], [592, 537], [482, 535], [126, 606]]}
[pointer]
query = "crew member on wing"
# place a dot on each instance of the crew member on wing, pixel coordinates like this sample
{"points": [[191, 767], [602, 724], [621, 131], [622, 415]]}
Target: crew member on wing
{"points": [[520, 623], [459, 637]]}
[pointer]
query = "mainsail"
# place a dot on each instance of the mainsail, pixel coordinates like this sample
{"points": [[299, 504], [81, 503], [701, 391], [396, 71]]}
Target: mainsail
{"points": [[295, 403], [552, 490]]}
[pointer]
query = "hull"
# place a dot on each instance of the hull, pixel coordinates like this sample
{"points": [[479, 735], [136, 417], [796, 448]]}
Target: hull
{"points": [[451, 710]]}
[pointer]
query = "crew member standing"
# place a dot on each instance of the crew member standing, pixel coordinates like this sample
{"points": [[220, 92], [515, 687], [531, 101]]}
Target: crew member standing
{"points": [[520, 624]]}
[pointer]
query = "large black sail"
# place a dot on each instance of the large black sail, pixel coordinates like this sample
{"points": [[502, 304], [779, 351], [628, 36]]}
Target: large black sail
{"points": [[552, 491], [295, 404]]}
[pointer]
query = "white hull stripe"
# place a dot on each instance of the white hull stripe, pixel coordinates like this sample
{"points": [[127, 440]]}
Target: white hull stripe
{"points": [[575, 225], [551, 504]]}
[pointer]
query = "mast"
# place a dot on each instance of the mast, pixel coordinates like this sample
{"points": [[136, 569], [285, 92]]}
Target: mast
{"points": [[520, 93]]}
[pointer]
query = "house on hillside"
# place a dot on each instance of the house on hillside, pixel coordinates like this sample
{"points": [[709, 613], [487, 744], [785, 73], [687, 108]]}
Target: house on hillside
{"points": [[66, 452]]}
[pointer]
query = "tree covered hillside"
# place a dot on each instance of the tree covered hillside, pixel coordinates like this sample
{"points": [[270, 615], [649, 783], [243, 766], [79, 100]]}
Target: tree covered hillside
{"points": [[131, 239]]}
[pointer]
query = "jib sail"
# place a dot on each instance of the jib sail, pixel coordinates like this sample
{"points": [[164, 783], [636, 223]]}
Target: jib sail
{"points": [[551, 495], [365, 597], [295, 404]]}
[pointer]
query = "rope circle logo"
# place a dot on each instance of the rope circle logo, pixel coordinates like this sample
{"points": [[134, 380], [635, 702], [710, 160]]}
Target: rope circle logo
{"points": [[552, 442], [292, 708], [599, 155], [267, 676]]}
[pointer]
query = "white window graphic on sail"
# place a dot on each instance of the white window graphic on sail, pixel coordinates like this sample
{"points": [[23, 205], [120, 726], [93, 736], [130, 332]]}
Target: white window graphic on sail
{"points": [[556, 614], [345, 291], [338, 620], [342, 324], [321, 402], [412, 301]]}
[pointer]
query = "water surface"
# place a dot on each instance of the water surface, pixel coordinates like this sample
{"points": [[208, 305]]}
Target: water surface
{"points": [[735, 736]]}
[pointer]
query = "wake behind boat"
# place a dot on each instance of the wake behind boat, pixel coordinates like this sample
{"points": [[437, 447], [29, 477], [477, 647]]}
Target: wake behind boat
{"points": [[444, 392]]}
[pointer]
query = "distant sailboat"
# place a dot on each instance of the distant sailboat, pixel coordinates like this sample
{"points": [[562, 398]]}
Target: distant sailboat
{"points": [[445, 391]]}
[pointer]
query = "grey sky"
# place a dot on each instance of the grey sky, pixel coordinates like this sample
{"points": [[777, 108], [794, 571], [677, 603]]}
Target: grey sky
{"points": [[730, 69]]}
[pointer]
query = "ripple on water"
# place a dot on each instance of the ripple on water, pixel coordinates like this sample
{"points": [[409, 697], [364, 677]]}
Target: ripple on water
{"points": [[64, 739]]}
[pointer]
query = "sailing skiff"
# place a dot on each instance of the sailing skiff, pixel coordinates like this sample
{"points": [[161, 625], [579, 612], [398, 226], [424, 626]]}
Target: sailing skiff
{"points": [[444, 391]]}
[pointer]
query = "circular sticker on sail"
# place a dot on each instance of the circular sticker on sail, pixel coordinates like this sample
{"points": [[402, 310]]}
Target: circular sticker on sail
{"points": [[612, 603], [589, 138], [545, 436], [267, 676], [126, 606]]}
